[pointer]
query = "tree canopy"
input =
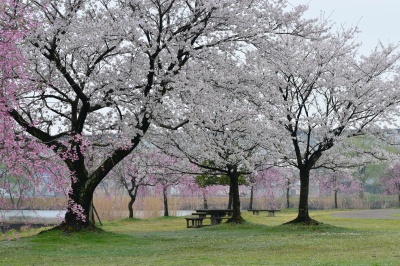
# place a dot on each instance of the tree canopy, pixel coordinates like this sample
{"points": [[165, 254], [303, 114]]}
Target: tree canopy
{"points": [[240, 83]]}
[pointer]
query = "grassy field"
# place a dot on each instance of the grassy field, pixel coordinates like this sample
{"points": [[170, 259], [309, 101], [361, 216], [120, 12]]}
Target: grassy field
{"points": [[260, 241]]}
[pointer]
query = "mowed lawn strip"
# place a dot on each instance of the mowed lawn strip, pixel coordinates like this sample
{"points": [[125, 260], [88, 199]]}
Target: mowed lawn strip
{"points": [[261, 240]]}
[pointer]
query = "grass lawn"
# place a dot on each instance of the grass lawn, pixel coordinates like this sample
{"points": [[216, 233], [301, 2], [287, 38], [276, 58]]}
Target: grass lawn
{"points": [[261, 240]]}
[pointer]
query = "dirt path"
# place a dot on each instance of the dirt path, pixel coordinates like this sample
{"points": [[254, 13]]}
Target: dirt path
{"points": [[393, 214]]}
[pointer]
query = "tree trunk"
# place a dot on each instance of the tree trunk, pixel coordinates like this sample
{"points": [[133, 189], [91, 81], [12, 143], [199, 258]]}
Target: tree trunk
{"points": [[130, 207], [205, 205], [132, 194], [234, 185], [165, 201], [78, 215], [230, 197], [251, 197], [91, 213], [336, 203], [303, 216], [83, 186], [288, 195]]}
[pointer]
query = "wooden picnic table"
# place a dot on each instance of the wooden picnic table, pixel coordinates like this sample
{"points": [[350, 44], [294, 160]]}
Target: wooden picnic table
{"points": [[216, 215]]}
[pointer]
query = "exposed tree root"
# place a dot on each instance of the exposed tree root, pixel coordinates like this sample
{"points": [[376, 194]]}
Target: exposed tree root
{"points": [[305, 221], [67, 229], [235, 220]]}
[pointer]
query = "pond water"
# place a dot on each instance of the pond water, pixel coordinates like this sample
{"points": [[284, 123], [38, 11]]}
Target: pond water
{"points": [[32, 216]]}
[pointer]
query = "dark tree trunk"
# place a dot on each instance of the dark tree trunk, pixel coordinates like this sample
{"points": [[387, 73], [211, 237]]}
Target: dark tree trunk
{"points": [[205, 205], [78, 215], [91, 213], [130, 207], [399, 200], [303, 216], [361, 173], [336, 203], [230, 197], [288, 195], [165, 201], [234, 185], [132, 194], [132, 189], [251, 197]]}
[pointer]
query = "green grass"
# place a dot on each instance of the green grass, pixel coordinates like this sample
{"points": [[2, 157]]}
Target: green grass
{"points": [[260, 241]]}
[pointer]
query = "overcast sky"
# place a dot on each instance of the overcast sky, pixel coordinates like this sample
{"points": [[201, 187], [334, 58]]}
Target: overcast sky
{"points": [[378, 20]]}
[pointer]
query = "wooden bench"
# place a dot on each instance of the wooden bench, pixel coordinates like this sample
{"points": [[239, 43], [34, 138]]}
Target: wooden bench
{"points": [[271, 213], [196, 222]]}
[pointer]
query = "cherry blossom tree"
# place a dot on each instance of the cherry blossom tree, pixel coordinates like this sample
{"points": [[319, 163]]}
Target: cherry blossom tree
{"points": [[14, 24], [100, 73], [390, 181], [319, 92], [222, 139], [338, 182]]}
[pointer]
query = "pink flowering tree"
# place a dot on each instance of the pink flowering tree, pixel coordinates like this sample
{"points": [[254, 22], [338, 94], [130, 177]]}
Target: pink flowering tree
{"points": [[28, 169], [23, 161], [15, 23], [338, 182], [30, 172], [390, 181]]}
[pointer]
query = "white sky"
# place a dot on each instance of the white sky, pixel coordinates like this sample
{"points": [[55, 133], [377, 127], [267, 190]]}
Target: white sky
{"points": [[378, 20]]}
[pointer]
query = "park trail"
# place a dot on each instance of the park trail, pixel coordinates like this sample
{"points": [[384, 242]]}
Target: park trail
{"points": [[393, 214]]}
